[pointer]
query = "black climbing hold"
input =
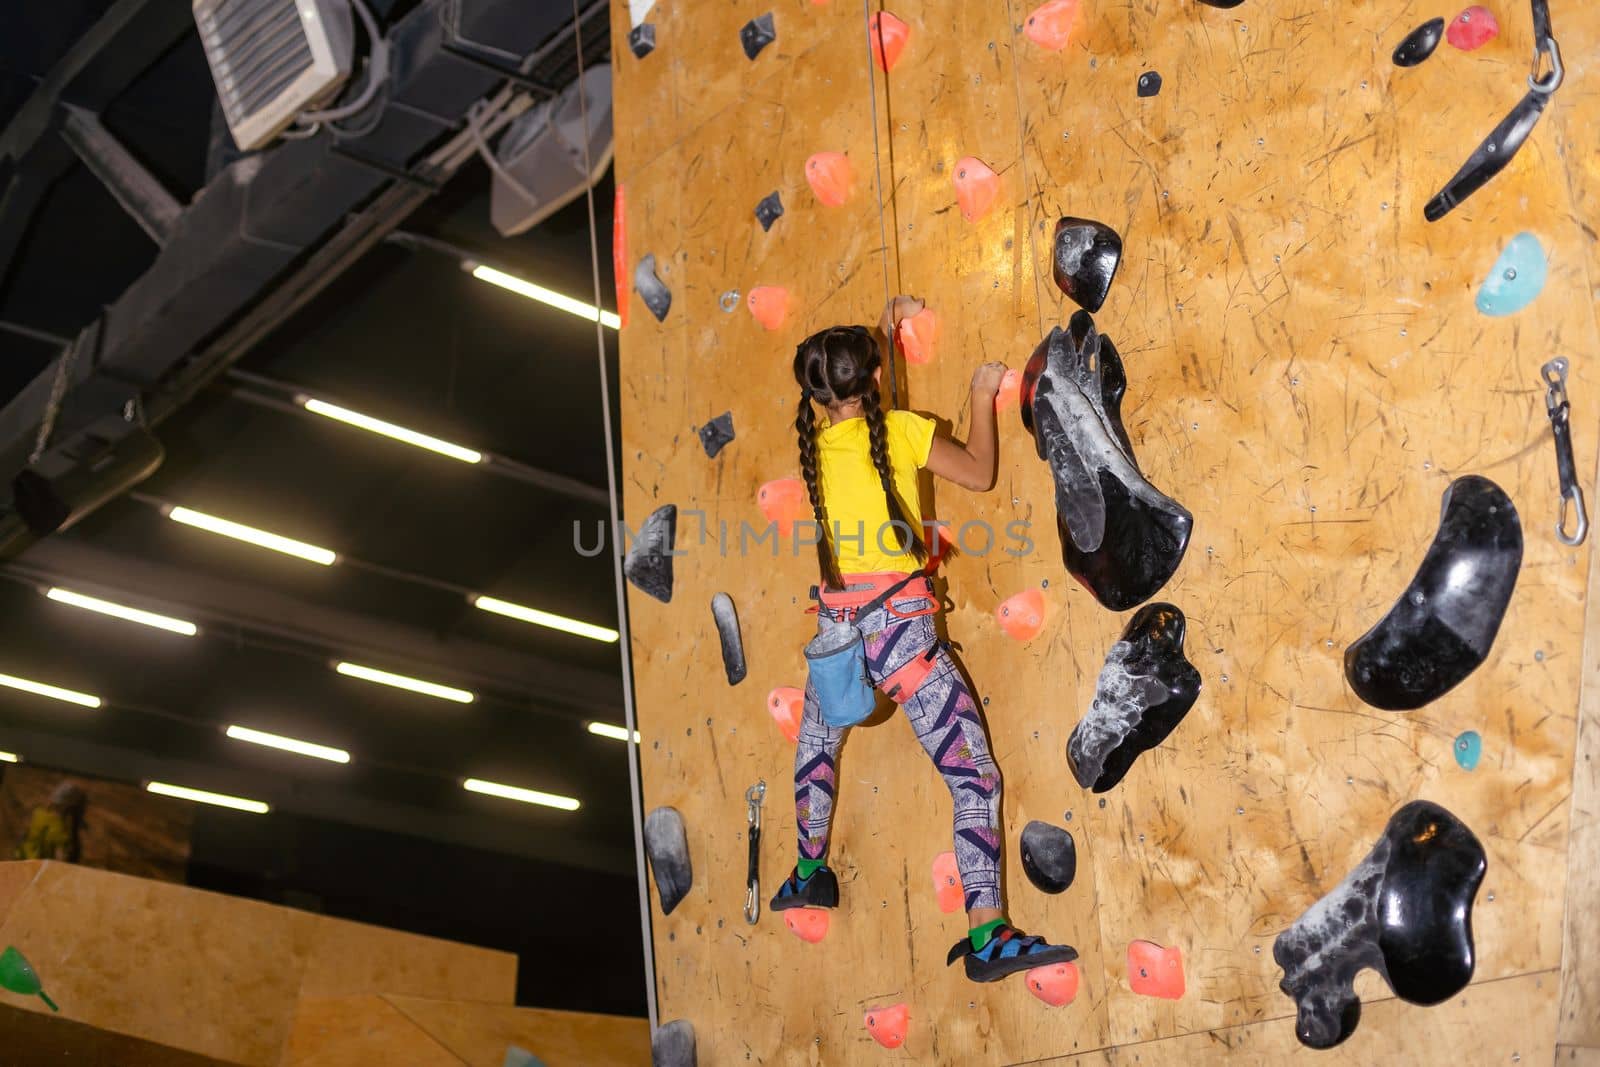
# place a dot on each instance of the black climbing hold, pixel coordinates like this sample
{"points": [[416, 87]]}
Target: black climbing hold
{"points": [[1222, 3], [1144, 691], [1149, 83], [757, 34], [642, 39], [652, 290], [668, 848], [716, 433], [1491, 156], [1121, 537], [1049, 858], [727, 621], [673, 1045], [1444, 624], [1419, 43], [770, 210], [1087, 254], [648, 562], [1405, 911]]}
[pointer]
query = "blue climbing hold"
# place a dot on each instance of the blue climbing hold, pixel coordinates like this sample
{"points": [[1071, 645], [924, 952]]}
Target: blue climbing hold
{"points": [[1517, 277], [1468, 747]]}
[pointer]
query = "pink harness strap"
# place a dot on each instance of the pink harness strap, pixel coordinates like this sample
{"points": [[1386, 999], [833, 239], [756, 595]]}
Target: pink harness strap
{"points": [[903, 683]]}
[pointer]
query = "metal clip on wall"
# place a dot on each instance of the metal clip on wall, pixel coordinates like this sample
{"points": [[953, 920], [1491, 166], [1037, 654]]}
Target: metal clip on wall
{"points": [[1554, 374], [752, 898]]}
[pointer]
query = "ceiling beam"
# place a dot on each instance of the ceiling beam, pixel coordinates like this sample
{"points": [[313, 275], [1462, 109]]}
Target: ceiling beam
{"points": [[139, 192]]}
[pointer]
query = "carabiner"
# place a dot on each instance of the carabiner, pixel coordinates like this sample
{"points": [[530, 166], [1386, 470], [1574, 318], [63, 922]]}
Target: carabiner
{"points": [[753, 798], [1554, 375], [1574, 496], [1549, 83]]}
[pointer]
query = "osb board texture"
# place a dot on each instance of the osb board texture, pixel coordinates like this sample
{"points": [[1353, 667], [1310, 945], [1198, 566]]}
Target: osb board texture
{"points": [[1307, 373], [211, 974], [124, 828], [31, 1039]]}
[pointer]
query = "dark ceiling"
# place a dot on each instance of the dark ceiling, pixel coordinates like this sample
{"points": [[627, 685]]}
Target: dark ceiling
{"points": [[408, 336]]}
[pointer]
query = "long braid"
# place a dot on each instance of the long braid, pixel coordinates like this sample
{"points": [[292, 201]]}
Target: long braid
{"points": [[906, 532], [805, 424]]}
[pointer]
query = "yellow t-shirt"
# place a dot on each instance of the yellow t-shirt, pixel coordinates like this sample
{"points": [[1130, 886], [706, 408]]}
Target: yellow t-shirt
{"points": [[853, 495]]}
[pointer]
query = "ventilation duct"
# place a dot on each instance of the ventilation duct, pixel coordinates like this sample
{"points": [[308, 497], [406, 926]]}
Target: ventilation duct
{"points": [[541, 159]]}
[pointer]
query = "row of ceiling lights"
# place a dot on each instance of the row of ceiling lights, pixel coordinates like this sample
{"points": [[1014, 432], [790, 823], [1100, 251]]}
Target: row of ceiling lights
{"points": [[327, 557]]}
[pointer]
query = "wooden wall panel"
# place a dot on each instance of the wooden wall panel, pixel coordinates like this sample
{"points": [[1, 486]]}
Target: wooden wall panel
{"points": [[1307, 373]]}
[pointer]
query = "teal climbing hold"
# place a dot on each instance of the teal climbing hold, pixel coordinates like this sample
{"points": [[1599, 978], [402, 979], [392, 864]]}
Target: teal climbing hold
{"points": [[1517, 277], [1468, 747]]}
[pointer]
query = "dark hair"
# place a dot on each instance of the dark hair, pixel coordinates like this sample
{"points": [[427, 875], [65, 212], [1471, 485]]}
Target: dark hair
{"points": [[833, 367]]}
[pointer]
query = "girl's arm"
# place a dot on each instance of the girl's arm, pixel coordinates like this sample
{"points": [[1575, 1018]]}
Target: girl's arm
{"points": [[972, 465]]}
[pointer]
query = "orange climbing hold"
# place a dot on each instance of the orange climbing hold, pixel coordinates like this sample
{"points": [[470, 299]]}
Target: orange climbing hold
{"points": [[1055, 984], [787, 704], [888, 1025], [917, 336], [1010, 391], [888, 34], [619, 253], [769, 304], [830, 176], [785, 502], [1050, 24], [808, 924], [977, 186], [1155, 971], [1022, 616], [946, 882]]}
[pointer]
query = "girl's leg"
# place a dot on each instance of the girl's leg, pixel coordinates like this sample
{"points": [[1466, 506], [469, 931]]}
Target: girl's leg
{"points": [[815, 779]]}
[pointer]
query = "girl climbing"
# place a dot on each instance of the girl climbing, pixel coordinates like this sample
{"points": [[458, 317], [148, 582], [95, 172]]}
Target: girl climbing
{"points": [[860, 467]]}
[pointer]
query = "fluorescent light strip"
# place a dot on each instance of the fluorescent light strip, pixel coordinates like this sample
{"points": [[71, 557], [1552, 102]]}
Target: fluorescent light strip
{"points": [[544, 296], [389, 429], [616, 733], [201, 796], [251, 535], [120, 611], [545, 618], [53, 692], [10, 757], [289, 744], [527, 796], [400, 681]]}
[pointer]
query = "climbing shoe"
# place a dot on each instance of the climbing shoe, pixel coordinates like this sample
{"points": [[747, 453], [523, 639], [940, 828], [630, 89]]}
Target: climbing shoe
{"points": [[1007, 951], [821, 890]]}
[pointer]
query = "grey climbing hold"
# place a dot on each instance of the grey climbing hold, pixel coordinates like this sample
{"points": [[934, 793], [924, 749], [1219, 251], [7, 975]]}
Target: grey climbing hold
{"points": [[1149, 83], [652, 290], [727, 620], [642, 39], [757, 34], [668, 848], [673, 1045], [1049, 858], [716, 433], [770, 210], [1085, 260], [648, 562]]}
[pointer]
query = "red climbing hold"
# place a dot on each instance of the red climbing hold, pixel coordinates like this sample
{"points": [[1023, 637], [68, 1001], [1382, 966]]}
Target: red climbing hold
{"points": [[1473, 28], [1022, 616], [787, 704], [946, 882], [1055, 983], [830, 176], [785, 502], [1010, 391], [808, 924], [888, 1025], [769, 304], [1050, 24], [1155, 971], [977, 186], [888, 36], [917, 336], [619, 253]]}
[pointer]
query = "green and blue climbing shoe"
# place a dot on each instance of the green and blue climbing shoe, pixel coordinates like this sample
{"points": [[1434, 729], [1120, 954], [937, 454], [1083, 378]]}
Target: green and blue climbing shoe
{"points": [[820, 889], [1006, 950]]}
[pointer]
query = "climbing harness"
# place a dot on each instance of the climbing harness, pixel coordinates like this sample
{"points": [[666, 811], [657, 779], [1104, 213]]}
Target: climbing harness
{"points": [[753, 797], [1491, 157], [1554, 374]]}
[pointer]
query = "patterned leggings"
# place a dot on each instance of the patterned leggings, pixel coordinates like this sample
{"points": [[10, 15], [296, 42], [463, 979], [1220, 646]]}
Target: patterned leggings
{"points": [[946, 721]]}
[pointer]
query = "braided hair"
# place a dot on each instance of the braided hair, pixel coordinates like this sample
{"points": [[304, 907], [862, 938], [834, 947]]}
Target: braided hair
{"points": [[833, 367]]}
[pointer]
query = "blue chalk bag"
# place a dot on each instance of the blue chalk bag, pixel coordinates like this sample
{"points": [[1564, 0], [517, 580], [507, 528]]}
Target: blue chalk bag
{"points": [[836, 664]]}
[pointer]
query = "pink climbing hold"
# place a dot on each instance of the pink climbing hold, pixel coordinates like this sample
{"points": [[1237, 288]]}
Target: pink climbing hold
{"points": [[946, 882], [888, 34], [888, 1025], [808, 924], [785, 501], [1050, 24], [787, 704], [1022, 616], [1155, 971], [1010, 391], [917, 336], [977, 187], [830, 176], [1055, 983], [1472, 29], [769, 304]]}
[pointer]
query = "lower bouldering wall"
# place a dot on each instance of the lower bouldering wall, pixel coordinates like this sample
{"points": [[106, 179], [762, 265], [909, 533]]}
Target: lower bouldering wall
{"points": [[1308, 369]]}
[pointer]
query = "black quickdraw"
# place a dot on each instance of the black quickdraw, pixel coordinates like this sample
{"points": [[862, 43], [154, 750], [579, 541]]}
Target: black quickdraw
{"points": [[1503, 142], [752, 898], [1554, 374]]}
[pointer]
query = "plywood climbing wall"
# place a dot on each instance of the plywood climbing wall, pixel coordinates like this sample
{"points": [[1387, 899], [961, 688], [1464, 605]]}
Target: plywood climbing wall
{"points": [[1307, 373]]}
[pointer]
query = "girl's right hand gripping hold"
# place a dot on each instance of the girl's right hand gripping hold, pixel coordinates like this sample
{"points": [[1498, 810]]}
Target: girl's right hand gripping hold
{"points": [[972, 465]]}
